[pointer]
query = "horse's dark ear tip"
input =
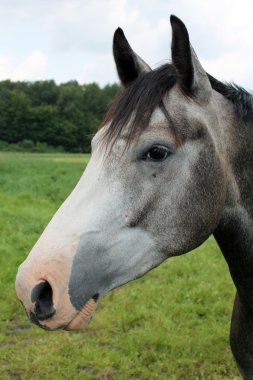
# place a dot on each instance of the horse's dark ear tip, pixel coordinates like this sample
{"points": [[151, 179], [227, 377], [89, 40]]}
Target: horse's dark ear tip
{"points": [[119, 31], [175, 21], [118, 37], [172, 18]]}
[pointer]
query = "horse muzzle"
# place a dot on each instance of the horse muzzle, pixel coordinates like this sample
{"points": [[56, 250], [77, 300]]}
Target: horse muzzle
{"points": [[47, 302]]}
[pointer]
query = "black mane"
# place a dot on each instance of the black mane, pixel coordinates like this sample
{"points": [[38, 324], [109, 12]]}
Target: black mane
{"points": [[238, 96], [147, 92]]}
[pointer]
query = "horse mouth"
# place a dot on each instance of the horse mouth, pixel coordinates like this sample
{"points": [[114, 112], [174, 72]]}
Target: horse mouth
{"points": [[84, 316]]}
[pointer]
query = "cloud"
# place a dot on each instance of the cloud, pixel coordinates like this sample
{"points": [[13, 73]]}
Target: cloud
{"points": [[33, 67], [101, 67], [225, 68], [5, 64]]}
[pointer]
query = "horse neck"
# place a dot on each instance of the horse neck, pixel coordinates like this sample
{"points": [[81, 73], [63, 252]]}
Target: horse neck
{"points": [[234, 233]]}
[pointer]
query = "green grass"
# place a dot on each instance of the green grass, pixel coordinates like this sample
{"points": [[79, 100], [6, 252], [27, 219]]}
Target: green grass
{"points": [[171, 324]]}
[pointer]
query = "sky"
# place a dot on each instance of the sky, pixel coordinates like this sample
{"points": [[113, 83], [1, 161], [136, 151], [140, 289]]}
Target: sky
{"points": [[72, 39]]}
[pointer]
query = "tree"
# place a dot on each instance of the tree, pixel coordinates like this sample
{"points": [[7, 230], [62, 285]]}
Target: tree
{"points": [[14, 116], [67, 114]]}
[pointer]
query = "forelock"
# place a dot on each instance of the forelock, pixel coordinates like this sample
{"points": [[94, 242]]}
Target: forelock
{"points": [[137, 103]]}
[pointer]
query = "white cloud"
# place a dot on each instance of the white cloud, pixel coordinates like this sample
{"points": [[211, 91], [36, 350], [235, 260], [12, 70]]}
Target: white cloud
{"points": [[32, 68], [229, 67], [5, 64], [101, 67]]}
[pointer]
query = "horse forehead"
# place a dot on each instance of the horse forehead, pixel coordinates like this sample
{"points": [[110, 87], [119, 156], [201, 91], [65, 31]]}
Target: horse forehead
{"points": [[190, 119], [158, 117]]}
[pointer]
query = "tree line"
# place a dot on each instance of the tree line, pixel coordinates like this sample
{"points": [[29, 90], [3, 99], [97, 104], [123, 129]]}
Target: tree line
{"points": [[65, 115]]}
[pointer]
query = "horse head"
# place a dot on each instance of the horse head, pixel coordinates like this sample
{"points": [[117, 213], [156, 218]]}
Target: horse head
{"points": [[155, 187]]}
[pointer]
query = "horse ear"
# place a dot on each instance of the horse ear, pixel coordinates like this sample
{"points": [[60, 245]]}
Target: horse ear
{"points": [[129, 64], [191, 75]]}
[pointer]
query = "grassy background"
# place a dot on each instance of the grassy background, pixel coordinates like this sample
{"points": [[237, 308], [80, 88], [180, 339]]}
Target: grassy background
{"points": [[171, 324]]}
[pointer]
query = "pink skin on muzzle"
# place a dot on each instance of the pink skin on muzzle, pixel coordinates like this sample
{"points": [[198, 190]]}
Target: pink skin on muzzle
{"points": [[53, 269]]}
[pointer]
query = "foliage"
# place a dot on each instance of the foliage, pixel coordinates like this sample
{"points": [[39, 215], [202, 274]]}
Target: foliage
{"points": [[29, 146], [173, 324], [66, 115]]}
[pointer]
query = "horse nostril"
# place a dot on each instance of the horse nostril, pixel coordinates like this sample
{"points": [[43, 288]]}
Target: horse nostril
{"points": [[42, 295]]}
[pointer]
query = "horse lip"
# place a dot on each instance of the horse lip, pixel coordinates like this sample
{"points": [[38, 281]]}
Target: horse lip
{"points": [[35, 320], [84, 316]]}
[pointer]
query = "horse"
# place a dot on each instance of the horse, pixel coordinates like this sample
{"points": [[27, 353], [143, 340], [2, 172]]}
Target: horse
{"points": [[171, 165]]}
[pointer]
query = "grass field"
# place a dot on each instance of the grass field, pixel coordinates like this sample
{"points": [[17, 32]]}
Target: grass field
{"points": [[171, 324]]}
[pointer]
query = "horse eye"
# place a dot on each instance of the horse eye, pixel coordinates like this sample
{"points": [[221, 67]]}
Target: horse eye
{"points": [[157, 153]]}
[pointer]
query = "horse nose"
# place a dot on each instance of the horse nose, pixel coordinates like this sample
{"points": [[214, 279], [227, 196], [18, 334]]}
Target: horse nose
{"points": [[42, 295]]}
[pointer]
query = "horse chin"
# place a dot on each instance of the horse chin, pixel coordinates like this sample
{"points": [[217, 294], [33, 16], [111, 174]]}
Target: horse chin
{"points": [[83, 317]]}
